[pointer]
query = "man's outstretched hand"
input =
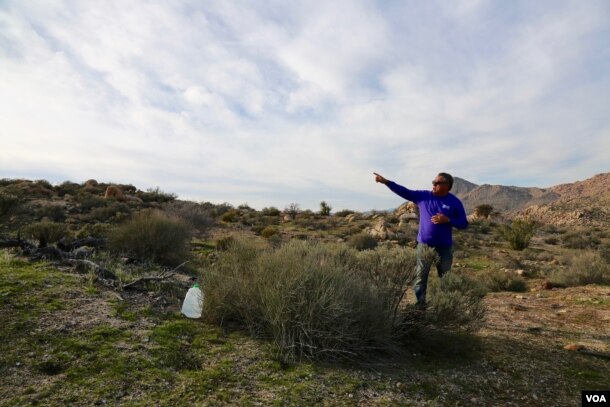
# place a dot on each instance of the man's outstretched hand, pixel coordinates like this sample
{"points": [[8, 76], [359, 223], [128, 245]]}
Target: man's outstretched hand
{"points": [[379, 178]]}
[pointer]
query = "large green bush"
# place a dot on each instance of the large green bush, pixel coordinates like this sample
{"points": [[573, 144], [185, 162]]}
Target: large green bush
{"points": [[455, 302], [153, 236], [518, 233], [320, 301]]}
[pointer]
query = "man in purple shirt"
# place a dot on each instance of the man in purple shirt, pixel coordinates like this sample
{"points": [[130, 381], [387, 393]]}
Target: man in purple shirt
{"points": [[439, 212]]}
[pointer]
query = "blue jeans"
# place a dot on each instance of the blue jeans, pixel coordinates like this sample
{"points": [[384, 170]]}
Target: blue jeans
{"points": [[422, 271]]}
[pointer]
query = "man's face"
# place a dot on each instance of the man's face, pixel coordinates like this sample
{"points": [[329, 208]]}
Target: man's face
{"points": [[440, 186]]}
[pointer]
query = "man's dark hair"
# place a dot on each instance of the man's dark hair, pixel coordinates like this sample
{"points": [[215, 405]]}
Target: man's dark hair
{"points": [[448, 178]]}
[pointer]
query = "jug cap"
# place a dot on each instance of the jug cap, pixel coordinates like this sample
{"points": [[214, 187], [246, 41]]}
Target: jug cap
{"points": [[196, 285]]}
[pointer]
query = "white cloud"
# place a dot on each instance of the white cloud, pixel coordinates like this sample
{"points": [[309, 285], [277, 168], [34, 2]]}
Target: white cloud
{"points": [[273, 103]]}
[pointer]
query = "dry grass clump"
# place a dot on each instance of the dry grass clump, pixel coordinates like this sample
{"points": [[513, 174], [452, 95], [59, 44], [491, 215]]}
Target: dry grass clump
{"points": [[320, 301], [154, 236], [497, 280], [584, 268], [456, 303], [362, 241]]}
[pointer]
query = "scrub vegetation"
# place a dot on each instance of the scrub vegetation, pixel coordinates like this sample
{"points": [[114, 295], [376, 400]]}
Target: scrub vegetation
{"points": [[301, 307]]}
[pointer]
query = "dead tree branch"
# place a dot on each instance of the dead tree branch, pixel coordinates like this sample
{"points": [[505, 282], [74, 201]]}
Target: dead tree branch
{"points": [[161, 277]]}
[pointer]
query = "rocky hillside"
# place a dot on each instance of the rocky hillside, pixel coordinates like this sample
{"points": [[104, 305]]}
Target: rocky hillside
{"points": [[579, 203]]}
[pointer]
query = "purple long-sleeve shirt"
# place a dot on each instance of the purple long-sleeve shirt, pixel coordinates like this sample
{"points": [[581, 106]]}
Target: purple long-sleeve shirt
{"points": [[429, 205]]}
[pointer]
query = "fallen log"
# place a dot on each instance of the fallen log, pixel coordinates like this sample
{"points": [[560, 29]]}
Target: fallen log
{"points": [[161, 277], [96, 268]]}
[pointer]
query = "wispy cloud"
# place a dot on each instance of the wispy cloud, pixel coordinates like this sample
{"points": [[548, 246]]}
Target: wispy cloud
{"points": [[278, 102]]}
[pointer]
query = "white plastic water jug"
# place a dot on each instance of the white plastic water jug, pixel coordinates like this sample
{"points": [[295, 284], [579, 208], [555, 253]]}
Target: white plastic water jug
{"points": [[193, 302]]}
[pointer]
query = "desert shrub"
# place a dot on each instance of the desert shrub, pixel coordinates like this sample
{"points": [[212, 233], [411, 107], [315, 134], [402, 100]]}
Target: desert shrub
{"points": [[301, 296], [43, 183], [269, 231], [114, 210], [153, 236], [8, 202], [56, 213], [67, 188], [87, 201], [584, 268], [320, 301], [98, 230], [271, 211], [7, 181], [156, 195], [362, 241], [224, 243], [230, 216], [579, 240], [604, 251], [518, 233], [343, 213], [46, 232], [325, 208], [483, 226], [306, 214], [196, 215], [392, 219], [497, 280], [455, 302], [552, 240], [292, 210], [483, 210]]}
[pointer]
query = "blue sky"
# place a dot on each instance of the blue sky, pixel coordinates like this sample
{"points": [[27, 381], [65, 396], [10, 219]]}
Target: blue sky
{"points": [[274, 102]]}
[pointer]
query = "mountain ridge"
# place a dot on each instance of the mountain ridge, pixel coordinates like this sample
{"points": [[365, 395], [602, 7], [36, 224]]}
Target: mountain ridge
{"points": [[583, 202]]}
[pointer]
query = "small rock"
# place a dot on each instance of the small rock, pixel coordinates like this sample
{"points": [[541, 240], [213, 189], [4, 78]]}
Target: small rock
{"points": [[574, 347], [562, 311], [517, 307]]}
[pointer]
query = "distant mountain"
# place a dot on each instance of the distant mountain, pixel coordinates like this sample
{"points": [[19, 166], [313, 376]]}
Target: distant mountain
{"points": [[461, 187], [581, 202], [506, 198]]}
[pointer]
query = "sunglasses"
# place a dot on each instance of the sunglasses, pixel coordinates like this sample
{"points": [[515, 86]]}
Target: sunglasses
{"points": [[435, 183]]}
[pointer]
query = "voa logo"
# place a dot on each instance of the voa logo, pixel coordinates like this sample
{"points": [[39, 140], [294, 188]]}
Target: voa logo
{"points": [[594, 398]]}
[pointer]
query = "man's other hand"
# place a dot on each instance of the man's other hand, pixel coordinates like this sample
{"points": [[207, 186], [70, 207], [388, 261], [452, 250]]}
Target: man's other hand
{"points": [[439, 219]]}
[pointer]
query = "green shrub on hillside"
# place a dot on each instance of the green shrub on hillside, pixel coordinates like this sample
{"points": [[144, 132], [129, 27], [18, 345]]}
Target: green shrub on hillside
{"points": [[8, 202], [269, 231], [518, 233], [156, 195], [153, 236], [88, 201], [271, 211], [55, 213], [197, 215], [46, 232], [230, 216], [584, 268]]}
